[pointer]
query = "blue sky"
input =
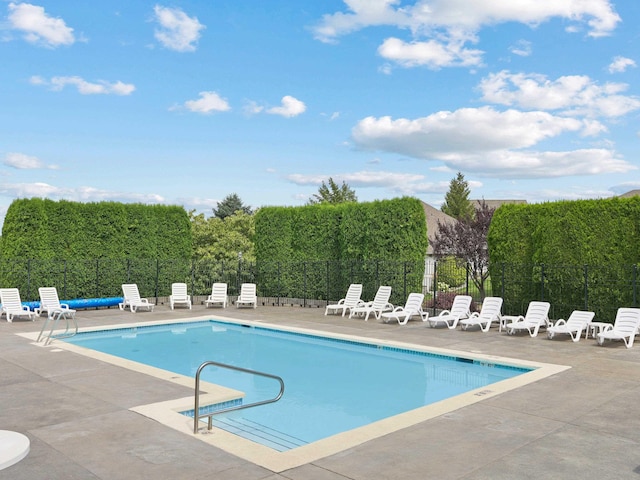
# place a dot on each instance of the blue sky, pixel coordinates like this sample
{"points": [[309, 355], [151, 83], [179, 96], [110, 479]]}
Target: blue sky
{"points": [[183, 103]]}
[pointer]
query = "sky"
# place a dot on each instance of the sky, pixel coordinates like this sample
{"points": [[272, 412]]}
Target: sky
{"points": [[186, 102]]}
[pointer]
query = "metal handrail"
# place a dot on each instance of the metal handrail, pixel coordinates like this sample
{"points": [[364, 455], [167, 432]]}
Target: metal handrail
{"points": [[196, 409]]}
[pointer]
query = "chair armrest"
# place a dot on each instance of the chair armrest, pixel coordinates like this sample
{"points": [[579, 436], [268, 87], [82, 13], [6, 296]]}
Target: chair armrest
{"points": [[444, 312]]}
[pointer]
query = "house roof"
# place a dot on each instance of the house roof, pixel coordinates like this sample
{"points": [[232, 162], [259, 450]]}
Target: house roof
{"points": [[497, 203], [630, 193], [433, 215]]}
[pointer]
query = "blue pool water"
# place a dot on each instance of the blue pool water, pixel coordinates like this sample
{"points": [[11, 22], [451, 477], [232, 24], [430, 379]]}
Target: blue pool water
{"points": [[331, 385]]}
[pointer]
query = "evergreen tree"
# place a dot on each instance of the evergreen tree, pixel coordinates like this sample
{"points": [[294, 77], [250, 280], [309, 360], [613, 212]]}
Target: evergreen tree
{"points": [[456, 201], [333, 193], [229, 205]]}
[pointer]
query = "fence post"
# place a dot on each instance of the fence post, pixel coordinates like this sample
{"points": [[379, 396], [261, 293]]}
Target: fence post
{"points": [[64, 281], [157, 277], [586, 287], [502, 282], [467, 268], [28, 278], [435, 285], [304, 283], [635, 273], [404, 280], [542, 282], [328, 279], [97, 278]]}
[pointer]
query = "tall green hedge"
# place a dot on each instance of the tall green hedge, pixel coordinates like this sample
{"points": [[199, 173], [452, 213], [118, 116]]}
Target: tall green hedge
{"points": [[84, 233], [366, 238], [555, 248]]}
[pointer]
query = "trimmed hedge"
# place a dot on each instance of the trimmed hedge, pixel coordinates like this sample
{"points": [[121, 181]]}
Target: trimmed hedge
{"points": [[556, 248], [81, 234], [367, 236]]}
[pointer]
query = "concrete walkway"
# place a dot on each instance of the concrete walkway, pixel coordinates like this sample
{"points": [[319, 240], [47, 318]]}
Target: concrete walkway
{"points": [[582, 423]]}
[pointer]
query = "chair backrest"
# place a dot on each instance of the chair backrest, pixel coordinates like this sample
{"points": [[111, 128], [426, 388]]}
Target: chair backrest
{"points": [[414, 302], [130, 291], [219, 291], [179, 290], [382, 297], [461, 306], [49, 297], [353, 295], [537, 312], [248, 292], [627, 321], [10, 299], [491, 307], [579, 318]]}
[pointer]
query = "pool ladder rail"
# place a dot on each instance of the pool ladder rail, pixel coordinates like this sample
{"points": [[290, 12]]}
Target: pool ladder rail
{"points": [[197, 416], [54, 317]]}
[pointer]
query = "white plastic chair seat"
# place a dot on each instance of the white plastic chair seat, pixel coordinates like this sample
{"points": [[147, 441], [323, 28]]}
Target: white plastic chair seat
{"points": [[218, 296], [179, 295], [577, 322], [413, 307], [450, 318], [351, 299]]}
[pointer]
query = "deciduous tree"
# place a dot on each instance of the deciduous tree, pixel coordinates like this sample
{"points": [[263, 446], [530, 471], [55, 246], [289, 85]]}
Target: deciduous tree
{"points": [[466, 239]]}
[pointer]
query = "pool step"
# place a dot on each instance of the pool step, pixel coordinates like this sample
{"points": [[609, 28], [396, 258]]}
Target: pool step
{"points": [[258, 433]]}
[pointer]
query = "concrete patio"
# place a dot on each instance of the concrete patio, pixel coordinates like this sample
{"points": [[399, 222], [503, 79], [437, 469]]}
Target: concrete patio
{"points": [[581, 423]]}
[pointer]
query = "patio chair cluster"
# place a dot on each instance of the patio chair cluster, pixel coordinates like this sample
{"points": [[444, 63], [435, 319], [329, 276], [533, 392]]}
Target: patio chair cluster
{"points": [[625, 327]]}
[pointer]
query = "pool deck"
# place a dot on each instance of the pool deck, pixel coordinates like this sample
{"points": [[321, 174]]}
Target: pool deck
{"points": [[581, 423]]}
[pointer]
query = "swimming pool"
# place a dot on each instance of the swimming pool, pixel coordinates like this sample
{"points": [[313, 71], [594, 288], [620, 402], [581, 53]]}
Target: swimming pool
{"points": [[332, 385], [170, 412]]}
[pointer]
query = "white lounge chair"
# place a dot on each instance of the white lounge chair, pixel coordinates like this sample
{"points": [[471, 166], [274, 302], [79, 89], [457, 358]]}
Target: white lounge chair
{"points": [[624, 328], [489, 313], [218, 296], [12, 305], [459, 310], [179, 295], [247, 296], [50, 303], [412, 308], [379, 304], [573, 326], [537, 316], [132, 299], [350, 300]]}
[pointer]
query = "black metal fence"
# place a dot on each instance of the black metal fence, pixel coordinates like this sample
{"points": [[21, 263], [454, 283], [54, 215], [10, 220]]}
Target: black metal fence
{"points": [[601, 288]]}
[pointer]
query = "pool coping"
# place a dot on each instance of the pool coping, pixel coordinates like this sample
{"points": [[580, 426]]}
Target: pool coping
{"points": [[168, 412]]}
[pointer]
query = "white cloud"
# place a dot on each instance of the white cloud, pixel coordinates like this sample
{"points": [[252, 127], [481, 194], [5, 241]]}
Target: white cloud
{"points": [[83, 194], [252, 108], [441, 28], [25, 162], [573, 94], [177, 30], [208, 102], [620, 64], [444, 134], [101, 87], [489, 142], [400, 183], [432, 53], [522, 48], [290, 107], [38, 27]]}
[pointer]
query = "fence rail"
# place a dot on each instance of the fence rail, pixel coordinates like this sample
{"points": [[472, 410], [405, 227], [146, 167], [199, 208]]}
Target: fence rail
{"points": [[599, 288]]}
